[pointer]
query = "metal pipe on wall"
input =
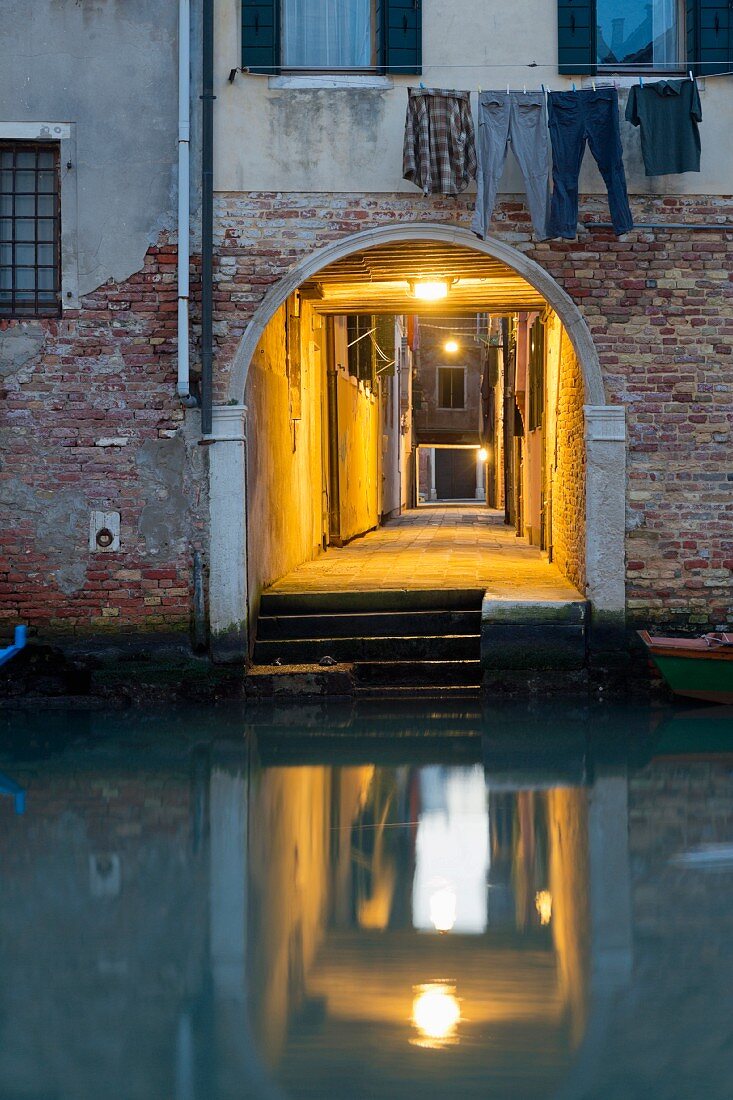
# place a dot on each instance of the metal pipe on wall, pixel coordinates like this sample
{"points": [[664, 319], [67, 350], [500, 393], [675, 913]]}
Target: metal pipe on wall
{"points": [[207, 214], [184, 147]]}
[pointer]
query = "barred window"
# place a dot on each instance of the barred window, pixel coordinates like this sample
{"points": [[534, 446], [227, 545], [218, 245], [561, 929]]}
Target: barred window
{"points": [[29, 229]]}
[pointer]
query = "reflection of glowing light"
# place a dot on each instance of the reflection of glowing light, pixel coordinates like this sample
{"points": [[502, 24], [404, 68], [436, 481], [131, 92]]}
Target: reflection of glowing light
{"points": [[451, 346], [543, 905], [436, 1014], [443, 909], [431, 290], [483, 454]]}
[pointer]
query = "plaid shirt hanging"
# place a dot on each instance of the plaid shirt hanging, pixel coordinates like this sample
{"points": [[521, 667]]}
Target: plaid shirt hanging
{"points": [[439, 153]]}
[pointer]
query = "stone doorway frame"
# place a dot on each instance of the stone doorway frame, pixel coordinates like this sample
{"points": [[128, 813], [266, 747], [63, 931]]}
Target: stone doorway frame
{"points": [[604, 437]]}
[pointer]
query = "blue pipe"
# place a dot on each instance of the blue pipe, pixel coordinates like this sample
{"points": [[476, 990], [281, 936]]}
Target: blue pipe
{"points": [[18, 644], [9, 786]]}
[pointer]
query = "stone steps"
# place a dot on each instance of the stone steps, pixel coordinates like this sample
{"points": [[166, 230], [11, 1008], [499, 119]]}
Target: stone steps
{"points": [[400, 642]]}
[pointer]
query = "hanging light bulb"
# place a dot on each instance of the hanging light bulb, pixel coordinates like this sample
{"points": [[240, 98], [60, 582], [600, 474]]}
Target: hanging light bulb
{"points": [[451, 346], [483, 454]]}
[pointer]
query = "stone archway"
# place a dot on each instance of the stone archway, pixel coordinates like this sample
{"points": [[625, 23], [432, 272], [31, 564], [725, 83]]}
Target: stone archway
{"points": [[541, 280], [604, 438]]}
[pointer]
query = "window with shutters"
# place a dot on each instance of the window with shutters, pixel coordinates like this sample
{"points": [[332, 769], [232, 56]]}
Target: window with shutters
{"points": [[30, 218], [536, 376], [328, 35], [312, 36], [451, 387], [638, 36]]}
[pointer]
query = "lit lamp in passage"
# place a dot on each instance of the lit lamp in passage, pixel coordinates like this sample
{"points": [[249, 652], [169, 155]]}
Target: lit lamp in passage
{"points": [[451, 347], [429, 290], [436, 1013], [483, 454]]}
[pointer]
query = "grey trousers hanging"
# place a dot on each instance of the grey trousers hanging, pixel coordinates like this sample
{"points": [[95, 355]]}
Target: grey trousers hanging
{"points": [[519, 117]]}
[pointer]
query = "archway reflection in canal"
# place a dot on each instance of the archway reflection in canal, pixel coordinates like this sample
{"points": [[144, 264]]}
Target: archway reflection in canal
{"points": [[331, 903]]}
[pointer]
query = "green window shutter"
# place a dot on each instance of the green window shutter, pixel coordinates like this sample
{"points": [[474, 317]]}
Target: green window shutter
{"points": [[709, 37], [400, 36], [576, 37], [261, 36]]}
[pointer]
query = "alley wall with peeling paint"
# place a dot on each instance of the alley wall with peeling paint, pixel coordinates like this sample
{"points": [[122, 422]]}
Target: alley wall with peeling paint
{"points": [[286, 501]]}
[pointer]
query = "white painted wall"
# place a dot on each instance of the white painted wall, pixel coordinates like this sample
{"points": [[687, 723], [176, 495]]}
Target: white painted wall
{"points": [[350, 140]]}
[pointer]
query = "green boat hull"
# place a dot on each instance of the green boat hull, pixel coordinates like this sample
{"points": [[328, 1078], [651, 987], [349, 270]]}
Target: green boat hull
{"points": [[710, 678]]}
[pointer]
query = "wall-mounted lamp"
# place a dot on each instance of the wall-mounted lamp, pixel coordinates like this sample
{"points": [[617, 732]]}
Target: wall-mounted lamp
{"points": [[451, 346], [483, 454], [429, 290]]}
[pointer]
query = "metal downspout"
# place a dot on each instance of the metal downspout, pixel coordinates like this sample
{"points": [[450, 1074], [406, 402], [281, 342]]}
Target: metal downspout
{"points": [[207, 214], [184, 134]]}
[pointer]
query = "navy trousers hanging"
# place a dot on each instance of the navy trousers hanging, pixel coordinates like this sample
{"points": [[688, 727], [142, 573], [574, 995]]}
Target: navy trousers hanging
{"points": [[576, 118]]}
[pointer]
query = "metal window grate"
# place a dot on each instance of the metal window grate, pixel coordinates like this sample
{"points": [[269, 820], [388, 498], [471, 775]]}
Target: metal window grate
{"points": [[30, 223]]}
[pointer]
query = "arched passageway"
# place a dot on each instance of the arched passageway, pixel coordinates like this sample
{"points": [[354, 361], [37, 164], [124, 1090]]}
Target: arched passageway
{"points": [[333, 447]]}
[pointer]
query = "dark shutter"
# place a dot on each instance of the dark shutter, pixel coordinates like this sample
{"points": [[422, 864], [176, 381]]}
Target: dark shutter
{"points": [[709, 37], [261, 36], [400, 36], [576, 37]]}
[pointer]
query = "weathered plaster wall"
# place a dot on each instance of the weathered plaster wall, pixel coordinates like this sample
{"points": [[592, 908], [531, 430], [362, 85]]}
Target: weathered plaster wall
{"points": [[658, 305], [90, 417], [345, 140], [90, 421], [110, 69], [566, 456], [358, 451], [285, 487]]}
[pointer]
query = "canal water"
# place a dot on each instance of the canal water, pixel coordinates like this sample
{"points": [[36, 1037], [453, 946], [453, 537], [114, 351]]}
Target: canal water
{"points": [[346, 903]]}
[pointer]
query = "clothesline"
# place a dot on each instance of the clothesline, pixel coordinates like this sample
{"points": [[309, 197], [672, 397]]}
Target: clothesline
{"points": [[607, 72]]}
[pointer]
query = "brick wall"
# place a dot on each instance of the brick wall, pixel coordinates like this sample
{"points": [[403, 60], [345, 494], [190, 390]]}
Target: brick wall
{"points": [[658, 304], [91, 420]]}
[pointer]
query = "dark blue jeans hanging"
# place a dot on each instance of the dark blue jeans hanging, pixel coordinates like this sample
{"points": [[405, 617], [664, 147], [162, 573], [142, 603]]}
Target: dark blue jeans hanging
{"points": [[574, 118]]}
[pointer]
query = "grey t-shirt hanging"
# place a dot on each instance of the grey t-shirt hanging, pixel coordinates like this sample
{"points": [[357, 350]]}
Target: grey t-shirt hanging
{"points": [[668, 112]]}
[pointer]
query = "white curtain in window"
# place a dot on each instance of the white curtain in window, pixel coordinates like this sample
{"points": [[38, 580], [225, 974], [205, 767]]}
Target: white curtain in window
{"points": [[327, 34], [664, 32]]}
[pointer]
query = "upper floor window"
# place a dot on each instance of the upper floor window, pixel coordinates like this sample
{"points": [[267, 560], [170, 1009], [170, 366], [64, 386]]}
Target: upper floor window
{"points": [[378, 36], [451, 388], [328, 34], [644, 35], [637, 33], [29, 229]]}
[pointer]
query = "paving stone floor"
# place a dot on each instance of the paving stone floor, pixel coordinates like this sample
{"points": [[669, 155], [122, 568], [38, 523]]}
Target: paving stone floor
{"points": [[436, 547]]}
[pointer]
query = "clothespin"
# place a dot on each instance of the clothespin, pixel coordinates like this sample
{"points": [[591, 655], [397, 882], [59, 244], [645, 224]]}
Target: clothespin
{"points": [[421, 84], [507, 88], [594, 84], [525, 89], [574, 88], [641, 81], [690, 74], [479, 89]]}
